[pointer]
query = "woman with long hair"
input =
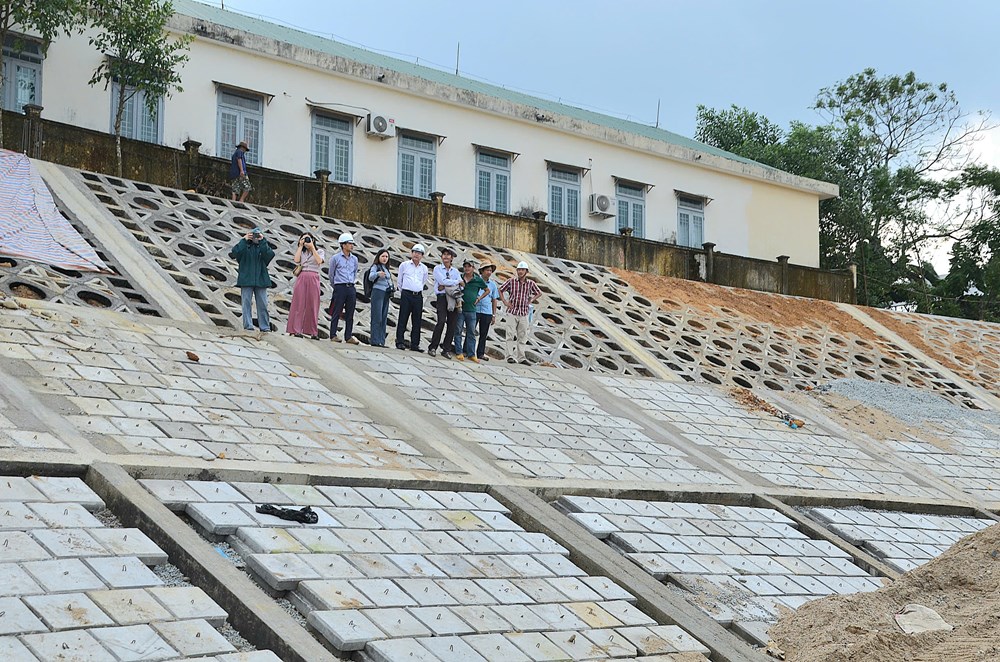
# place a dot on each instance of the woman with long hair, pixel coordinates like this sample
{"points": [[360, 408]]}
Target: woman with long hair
{"points": [[382, 289], [303, 317]]}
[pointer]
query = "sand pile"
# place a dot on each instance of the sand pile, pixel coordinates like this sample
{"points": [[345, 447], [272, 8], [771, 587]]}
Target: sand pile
{"points": [[962, 585]]}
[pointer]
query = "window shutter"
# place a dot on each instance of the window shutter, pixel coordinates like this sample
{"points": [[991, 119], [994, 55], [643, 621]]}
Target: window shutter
{"points": [[321, 151], [251, 134], [483, 192], [342, 161], [501, 192], [572, 207], [697, 230], [406, 173], [683, 229], [622, 214], [556, 204]]}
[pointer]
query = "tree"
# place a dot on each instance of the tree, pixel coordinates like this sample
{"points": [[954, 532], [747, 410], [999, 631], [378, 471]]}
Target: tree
{"points": [[914, 144], [139, 55], [900, 150], [42, 18], [739, 131]]}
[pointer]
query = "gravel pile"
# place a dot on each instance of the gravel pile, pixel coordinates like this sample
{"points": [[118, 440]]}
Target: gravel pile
{"points": [[909, 405]]}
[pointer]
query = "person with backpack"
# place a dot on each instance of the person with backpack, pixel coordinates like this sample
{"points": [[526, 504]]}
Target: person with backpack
{"points": [[378, 290]]}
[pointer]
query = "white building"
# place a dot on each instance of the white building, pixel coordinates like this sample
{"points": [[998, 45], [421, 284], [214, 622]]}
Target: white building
{"points": [[305, 102]]}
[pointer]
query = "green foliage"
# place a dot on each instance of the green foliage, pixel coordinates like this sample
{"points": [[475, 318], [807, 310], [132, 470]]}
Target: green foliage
{"points": [[899, 149], [139, 55], [739, 131], [45, 18]]}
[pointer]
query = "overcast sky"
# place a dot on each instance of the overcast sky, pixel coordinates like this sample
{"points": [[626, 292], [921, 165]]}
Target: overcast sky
{"points": [[622, 57]]}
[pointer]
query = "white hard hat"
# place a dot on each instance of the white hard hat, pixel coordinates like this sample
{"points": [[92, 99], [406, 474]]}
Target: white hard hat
{"points": [[345, 238], [418, 248], [522, 265]]}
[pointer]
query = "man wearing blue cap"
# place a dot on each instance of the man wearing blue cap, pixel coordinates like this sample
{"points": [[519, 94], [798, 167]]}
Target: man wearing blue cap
{"points": [[253, 254]]}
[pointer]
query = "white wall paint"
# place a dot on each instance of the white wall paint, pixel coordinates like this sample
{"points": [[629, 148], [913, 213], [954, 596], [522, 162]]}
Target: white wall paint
{"points": [[740, 206]]}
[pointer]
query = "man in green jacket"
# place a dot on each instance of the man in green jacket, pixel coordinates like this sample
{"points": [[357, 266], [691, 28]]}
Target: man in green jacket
{"points": [[253, 255], [473, 284]]}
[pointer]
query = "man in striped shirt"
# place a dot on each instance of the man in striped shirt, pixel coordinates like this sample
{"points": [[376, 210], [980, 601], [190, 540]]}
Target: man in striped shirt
{"points": [[518, 295]]}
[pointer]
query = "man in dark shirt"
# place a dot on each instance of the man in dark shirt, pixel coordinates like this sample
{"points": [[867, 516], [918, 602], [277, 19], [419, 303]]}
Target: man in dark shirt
{"points": [[238, 180], [253, 254]]}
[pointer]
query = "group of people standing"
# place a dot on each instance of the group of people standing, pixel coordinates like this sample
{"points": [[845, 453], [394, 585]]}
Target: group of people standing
{"points": [[466, 301]]}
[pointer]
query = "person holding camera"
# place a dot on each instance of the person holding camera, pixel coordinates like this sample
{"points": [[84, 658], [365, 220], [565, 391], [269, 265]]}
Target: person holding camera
{"points": [[303, 316], [253, 254], [343, 274]]}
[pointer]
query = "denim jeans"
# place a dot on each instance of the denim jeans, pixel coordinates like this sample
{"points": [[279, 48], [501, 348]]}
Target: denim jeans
{"points": [[379, 314], [248, 294], [466, 326]]}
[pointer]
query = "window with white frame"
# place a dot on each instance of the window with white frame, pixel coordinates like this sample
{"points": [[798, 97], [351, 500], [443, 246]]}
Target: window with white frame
{"points": [[137, 122], [332, 145], [241, 118], [631, 207], [492, 181], [22, 73], [690, 221], [564, 197], [417, 156]]}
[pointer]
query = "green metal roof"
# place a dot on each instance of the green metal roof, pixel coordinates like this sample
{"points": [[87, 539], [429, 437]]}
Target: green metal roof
{"points": [[302, 39]]}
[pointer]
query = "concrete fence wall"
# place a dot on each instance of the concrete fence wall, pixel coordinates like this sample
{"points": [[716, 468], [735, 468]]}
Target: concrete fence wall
{"points": [[189, 169]]}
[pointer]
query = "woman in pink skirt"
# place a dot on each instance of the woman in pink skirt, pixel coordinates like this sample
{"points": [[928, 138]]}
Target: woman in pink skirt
{"points": [[303, 318]]}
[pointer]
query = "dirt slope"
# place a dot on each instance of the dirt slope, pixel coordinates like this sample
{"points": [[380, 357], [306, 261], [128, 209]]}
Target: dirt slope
{"points": [[963, 585]]}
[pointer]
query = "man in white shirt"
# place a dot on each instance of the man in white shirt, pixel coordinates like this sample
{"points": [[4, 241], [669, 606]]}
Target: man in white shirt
{"points": [[411, 278], [445, 276]]}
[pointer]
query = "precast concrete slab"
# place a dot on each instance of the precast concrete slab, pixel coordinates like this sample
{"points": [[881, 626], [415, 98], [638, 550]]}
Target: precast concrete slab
{"points": [[903, 540], [251, 404], [88, 593], [365, 596], [766, 447], [560, 430], [739, 564]]}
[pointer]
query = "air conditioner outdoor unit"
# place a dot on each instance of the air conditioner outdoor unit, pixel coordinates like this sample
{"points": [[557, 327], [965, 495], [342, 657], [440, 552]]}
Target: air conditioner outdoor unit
{"points": [[381, 125], [602, 205]]}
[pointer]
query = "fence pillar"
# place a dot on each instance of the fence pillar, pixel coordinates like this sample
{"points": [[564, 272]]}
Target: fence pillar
{"points": [[324, 181], [709, 248], [31, 141], [438, 198], [541, 232], [191, 148], [783, 261]]}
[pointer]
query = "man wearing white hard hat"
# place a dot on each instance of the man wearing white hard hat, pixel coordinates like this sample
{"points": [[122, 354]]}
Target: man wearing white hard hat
{"points": [[411, 278], [343, 274], [519, 294]]}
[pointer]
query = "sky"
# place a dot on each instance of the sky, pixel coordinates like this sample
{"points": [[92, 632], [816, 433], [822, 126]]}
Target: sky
{"points": [[626, 57]]}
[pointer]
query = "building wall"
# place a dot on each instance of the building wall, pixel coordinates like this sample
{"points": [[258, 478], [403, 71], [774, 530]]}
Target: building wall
{"points": [[745, 216]]}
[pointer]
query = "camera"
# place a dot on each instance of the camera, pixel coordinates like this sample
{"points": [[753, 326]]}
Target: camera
{"points": [[307, 240]]}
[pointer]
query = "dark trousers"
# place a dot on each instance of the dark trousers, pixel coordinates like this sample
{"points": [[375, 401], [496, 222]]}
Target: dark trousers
{"points": [[485, 322], [447, 320], [411, 309], [345, 298]]}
